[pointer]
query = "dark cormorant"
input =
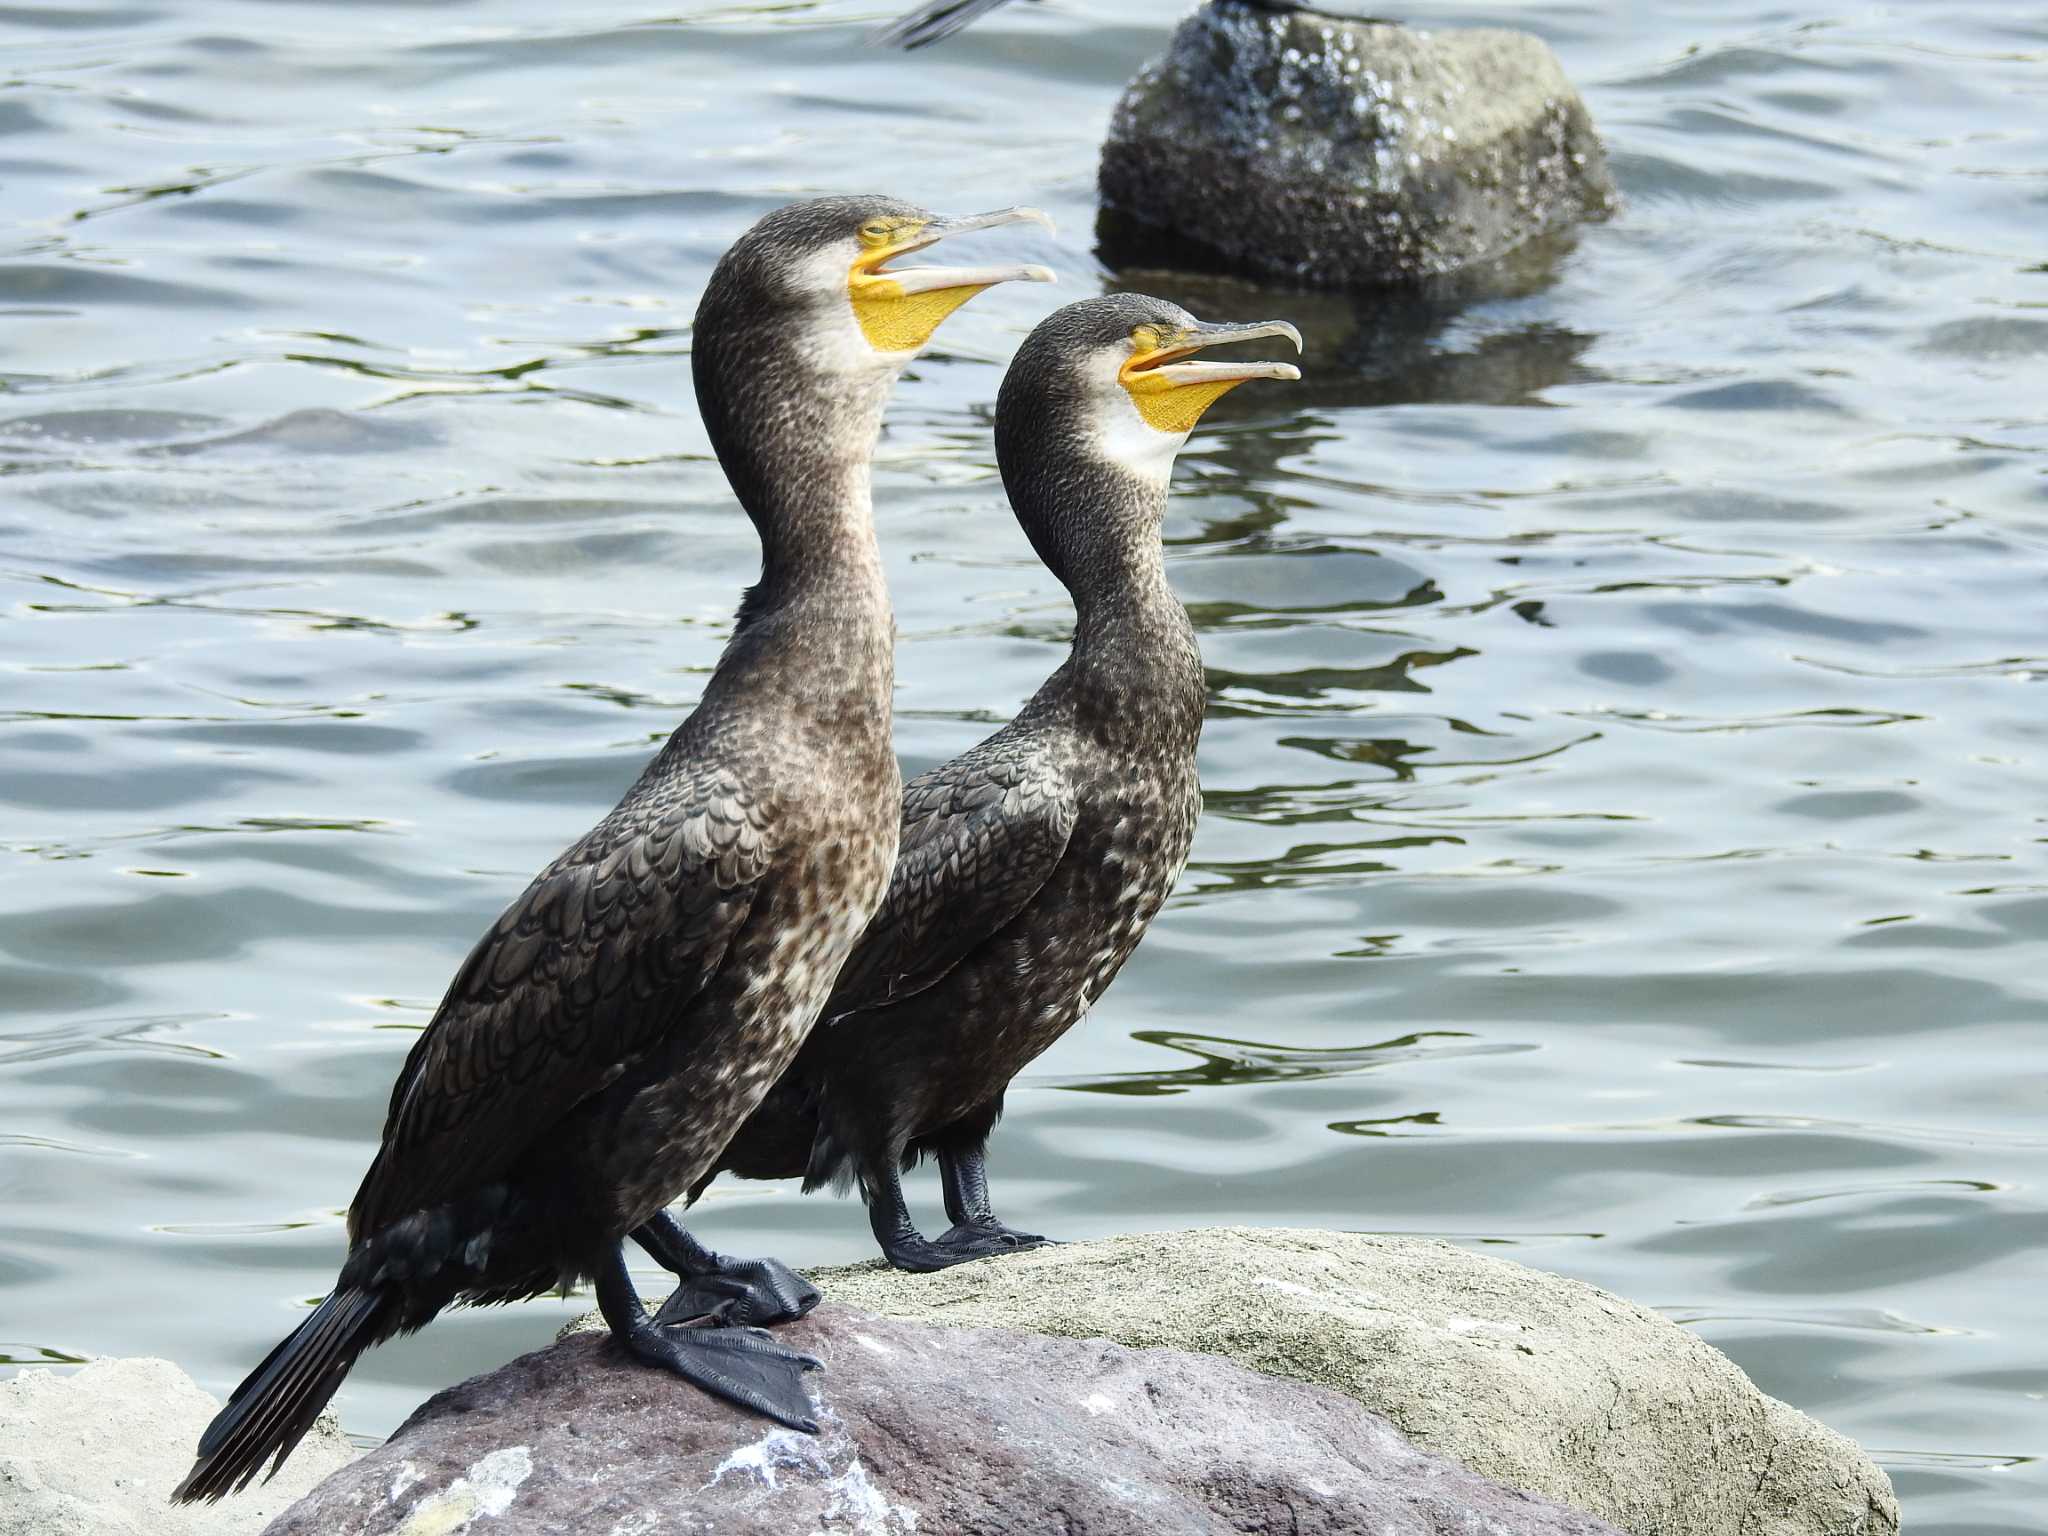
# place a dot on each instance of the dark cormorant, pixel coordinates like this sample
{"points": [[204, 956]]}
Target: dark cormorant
{"points": [[939, 19], [1030, 866], [621, 1018]]}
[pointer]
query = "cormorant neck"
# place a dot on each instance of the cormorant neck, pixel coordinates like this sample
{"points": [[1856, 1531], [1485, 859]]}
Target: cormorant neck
{"points": [[1096, 525], [1135, 654], [1098, 531], [793, 412], [818, 547], [1095, 520], [1115, 568]]}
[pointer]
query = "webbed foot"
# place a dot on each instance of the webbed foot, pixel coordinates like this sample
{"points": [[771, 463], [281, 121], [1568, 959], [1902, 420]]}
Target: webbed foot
{"points": [[720, 1290], [981, 1239], [919, 1254], [753, 1292], [975, 1233], [743, 1366]]}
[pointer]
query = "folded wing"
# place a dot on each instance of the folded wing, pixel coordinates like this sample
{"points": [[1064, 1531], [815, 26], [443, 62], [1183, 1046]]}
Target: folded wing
{"points": [[599, 958], [981, 835]]}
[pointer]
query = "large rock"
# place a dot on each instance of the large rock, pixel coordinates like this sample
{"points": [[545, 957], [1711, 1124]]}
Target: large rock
{"points": [[96, 1452], [1545, 1383], [1336, 153], [945, 1432]]}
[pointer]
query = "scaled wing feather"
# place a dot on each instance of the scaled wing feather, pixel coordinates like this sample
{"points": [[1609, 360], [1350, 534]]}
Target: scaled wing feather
{"points": [[981, 835], [596, 960]]}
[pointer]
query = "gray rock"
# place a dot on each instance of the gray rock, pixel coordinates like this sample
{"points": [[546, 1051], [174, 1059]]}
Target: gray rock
{"points": [[941, 1431], [1541, 1382], [1338, 152], [96, 1452]]}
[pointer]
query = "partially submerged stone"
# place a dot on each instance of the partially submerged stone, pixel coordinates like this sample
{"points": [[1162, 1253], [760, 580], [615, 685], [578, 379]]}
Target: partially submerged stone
{"points": [[97, 1451], [1337, 153], [938, 1431]]}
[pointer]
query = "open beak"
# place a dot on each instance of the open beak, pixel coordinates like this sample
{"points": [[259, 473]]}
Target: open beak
{"points": [[1171, 393], [875, 264], [900, 307], [1163, 359]]}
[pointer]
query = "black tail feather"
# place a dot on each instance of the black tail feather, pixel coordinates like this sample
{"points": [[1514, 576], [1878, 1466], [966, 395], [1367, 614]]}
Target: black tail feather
{"points": [[271, 1411], [829, 1163]]}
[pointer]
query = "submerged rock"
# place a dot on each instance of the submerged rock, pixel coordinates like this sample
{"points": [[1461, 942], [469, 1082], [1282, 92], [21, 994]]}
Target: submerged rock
{"points": [[940, 1431], [1337, 153], [1545, 1383], [96, 1452]]}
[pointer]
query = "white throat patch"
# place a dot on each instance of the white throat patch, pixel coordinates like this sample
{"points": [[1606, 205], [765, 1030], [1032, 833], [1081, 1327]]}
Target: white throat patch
{"points": [[839, 346], [1128, 440]]}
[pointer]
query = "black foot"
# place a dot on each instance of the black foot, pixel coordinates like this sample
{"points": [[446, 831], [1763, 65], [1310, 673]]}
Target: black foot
{"points": [[975, 1234], [961, 1245], [981, 1239], [920, 1255], [754, 1292], [716, 1289], [742, 1365]]}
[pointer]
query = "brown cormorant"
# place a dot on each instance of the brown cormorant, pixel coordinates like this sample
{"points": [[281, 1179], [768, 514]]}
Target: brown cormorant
{"points": [[1031, 865], [601, 1043]]}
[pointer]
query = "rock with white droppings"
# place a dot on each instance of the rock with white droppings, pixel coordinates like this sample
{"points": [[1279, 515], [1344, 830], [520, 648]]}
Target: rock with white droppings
{"points": [[927, 1431], [97, 1451], [1337, 152]]}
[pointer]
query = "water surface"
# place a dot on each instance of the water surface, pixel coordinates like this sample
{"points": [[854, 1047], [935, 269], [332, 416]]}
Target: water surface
{"points": [[1625, 846]]}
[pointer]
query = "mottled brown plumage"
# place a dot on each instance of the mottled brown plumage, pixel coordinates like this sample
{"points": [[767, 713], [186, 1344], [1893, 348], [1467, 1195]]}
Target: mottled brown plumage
{"points": [[603, 1040], [1030, 866]]}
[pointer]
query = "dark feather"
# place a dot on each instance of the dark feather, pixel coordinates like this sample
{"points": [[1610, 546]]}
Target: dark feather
{"points": [[980, 836], [930, 23], [597, 959]]}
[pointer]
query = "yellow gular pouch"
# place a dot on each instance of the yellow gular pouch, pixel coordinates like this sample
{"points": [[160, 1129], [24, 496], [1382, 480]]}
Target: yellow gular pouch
{"points": [[1169, 405], [895, 321]]}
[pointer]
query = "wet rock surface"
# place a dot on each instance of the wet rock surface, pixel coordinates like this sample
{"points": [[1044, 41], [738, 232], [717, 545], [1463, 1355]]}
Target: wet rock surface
{"points": [[941, 1431], [1338, 153]]}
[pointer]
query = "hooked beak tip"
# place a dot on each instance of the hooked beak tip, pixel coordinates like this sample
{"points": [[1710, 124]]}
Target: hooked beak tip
{"points": [[946, 228]]}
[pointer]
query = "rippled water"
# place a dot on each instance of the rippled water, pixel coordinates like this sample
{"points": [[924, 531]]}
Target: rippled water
{"points": [[1626, 837]]}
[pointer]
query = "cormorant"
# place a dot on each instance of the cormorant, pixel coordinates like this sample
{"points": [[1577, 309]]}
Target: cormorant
{"points": [[939, 19], [604, 1039], [1030, 866]]}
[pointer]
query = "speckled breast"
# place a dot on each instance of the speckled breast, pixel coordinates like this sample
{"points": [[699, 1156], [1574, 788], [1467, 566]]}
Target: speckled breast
{"points": [[1127, 850], [743, 1031]]}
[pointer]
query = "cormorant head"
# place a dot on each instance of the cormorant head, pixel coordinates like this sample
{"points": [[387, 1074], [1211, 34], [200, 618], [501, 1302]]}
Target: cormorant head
{"points": [[1097, 402], [825, 275]]}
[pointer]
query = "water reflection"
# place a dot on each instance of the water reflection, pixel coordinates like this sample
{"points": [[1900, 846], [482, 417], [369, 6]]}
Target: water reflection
{"points": [[1390, 346], [1222, 1062], [1624, 671]]}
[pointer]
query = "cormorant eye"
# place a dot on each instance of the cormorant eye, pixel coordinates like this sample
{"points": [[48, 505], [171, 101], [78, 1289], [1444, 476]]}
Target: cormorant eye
{"points": [[874, 232], [1144, 338]]}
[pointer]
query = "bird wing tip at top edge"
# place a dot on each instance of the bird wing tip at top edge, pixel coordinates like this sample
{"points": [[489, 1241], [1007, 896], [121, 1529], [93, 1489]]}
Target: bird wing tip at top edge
{"points": [[930, 23]]}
